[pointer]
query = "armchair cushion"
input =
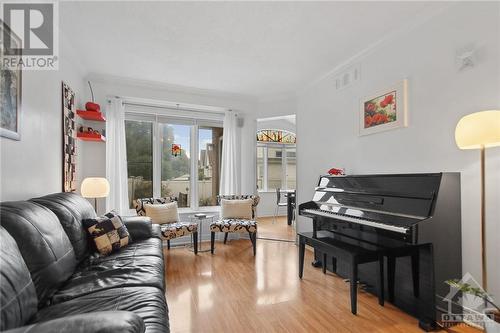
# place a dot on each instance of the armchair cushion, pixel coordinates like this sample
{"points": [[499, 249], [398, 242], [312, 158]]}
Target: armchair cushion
{"points": [[139, 203], [162, 213], [255, 199], [234, 225], [174, 230], [236, 209]]}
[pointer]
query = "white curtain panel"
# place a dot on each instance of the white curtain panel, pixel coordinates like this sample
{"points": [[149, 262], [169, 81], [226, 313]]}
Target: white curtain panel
{"points": [[116, 157], [229, 183]]}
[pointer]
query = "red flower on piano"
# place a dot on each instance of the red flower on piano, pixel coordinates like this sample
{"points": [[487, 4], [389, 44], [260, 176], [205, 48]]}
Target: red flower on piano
{"points": [[336, 172]]}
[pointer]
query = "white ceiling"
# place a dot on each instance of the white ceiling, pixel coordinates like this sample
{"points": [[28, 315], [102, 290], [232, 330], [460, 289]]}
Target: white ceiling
{"points": [[251, 48]]}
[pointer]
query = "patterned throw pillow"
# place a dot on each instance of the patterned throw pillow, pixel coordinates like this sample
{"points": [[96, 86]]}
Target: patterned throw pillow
{"points": [[108, 232]]}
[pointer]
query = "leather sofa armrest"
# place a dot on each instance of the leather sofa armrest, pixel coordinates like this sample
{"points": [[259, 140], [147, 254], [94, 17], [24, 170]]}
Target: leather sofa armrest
{"points": [[156, 230], [139, 227], [93, 322]]}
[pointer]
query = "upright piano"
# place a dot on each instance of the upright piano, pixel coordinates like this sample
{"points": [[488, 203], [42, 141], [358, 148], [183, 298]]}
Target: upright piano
{"points": [[410, 215]]}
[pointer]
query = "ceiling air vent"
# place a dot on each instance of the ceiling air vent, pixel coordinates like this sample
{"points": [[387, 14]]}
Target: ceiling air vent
{"points": [[347, 77]]}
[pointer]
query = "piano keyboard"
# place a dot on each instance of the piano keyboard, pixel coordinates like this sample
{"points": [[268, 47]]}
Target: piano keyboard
{"points": [[389, 227]]}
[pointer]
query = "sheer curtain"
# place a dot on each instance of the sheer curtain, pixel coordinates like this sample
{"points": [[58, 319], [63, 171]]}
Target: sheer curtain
{"points": [[116, 157], [229, 182]]}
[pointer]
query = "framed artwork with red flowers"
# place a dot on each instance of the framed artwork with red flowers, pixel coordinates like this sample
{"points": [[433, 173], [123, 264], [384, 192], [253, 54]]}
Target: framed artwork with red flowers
{"points": [[384, 110]]}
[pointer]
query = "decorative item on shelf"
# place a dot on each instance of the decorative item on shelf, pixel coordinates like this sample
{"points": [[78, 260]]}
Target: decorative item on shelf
{"points": [[69, 141], [384, 110], [92, 106], [95, 187], [480, 130], [176, 149], [89, 134], [336, 172]]}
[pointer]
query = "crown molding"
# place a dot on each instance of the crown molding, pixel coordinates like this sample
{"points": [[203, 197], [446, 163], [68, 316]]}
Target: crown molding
{"points": [[156, 85]]}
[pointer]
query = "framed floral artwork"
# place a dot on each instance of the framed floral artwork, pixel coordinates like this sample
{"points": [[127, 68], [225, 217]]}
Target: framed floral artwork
{"points": [[384, 110]]}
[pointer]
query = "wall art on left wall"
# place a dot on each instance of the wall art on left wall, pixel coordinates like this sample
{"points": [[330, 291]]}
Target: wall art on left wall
{"points": [[69, 138], [10, 85]]}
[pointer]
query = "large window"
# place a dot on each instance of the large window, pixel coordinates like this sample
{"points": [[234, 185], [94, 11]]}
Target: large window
{"points": [[209, 152], [175, 143], [160, 159], [139, 140]]}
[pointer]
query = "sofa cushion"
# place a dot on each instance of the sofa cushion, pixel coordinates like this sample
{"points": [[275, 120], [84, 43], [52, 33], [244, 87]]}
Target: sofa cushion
{"points": [[147, 247], [108, 274], [18, 301], [108, 232], [71, 209], [44, 245], [147, 302]]}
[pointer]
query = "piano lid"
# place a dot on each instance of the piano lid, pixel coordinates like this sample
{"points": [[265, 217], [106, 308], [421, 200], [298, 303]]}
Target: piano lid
{"points": [[399, 194]]}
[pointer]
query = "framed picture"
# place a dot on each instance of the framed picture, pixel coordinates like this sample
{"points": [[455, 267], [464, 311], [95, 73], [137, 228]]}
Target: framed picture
{"points": [[69, 138], [10, 87], [384, 110]]}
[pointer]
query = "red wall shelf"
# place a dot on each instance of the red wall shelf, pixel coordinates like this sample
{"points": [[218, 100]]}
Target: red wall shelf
{"points": [[90, 137], [90, 115]]}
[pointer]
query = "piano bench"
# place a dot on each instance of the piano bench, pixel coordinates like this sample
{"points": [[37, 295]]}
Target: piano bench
{"points": [[356, 255]]}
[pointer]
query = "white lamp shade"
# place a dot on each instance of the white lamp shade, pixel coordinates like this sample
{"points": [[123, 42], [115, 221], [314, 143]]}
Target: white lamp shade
{"points": [[95, 187], [477, 130]]}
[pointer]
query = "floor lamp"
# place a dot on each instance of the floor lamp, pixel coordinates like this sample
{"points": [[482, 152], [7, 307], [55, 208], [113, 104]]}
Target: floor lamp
{"points": [[480, 130], [95, 187]]}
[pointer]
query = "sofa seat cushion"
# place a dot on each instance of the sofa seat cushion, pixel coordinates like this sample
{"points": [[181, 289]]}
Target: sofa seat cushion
{"points": [[147, 247], [147, 302], [108, 274], [179, 229], [234, 225]]}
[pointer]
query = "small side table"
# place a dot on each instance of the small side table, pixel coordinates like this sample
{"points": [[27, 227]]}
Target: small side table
{"points": [[199, 220]]}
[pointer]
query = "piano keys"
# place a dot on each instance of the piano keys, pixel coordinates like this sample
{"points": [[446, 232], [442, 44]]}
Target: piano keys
{"points": [[416, 217]]}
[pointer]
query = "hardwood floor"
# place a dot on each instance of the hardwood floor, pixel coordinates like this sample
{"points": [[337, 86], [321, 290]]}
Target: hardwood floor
{"points": [[233, 291], [278, 230]]}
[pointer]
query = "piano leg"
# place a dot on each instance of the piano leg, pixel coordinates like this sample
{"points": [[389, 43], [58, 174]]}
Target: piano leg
{"points": [[302, 249], [391, 271], [381, 280], [323, 263], [334, 265], [415, 271], [354, 285]]}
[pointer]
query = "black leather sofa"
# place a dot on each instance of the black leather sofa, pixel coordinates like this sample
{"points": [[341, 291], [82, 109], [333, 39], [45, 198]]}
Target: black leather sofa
{"points": [[53, 280]]}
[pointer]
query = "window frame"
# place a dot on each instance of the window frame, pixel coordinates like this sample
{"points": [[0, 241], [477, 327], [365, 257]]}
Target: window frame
{"points": [[157, 120]]}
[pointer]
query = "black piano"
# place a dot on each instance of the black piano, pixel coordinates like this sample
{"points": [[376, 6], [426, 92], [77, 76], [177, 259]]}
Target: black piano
{"points": [[410, 215]]}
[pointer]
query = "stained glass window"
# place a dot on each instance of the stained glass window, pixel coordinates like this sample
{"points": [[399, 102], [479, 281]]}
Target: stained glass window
{"points": [[273, 135]]}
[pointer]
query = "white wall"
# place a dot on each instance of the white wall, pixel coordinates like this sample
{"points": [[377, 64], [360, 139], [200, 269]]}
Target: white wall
{"points": [[33, 166], [439, 96]]}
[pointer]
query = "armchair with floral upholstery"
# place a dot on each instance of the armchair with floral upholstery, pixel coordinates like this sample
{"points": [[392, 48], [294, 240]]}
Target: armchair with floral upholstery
{"points": [[172, 230], [231, 225]]}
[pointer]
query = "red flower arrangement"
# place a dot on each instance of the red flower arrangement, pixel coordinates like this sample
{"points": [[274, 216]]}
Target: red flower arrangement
{"points": [[336, 172]]}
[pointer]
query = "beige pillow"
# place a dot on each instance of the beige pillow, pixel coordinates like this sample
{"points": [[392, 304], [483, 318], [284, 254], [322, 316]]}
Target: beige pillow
{"points": [[162, 213], [236, 209]]}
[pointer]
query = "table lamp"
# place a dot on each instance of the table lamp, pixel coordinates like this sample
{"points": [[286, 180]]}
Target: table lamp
{"points": [[480, 130], [95, 187]]}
